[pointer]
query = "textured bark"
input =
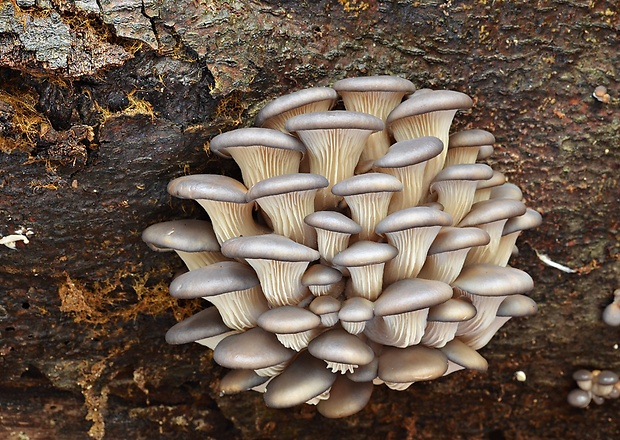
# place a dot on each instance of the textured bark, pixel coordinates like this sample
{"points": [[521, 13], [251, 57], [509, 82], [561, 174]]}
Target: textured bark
{"points": [[102, 103]]}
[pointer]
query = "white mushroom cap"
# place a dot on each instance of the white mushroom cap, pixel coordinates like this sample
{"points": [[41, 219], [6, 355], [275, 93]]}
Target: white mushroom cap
{"points": [[611, 314], [260, 152]]}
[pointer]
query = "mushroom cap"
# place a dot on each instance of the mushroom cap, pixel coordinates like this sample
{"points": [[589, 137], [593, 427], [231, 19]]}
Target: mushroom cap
{"points": [[410, 152], [320, 275], [418, 216], [204, 324], [333, 221], [363, 253], [380, 83], [471, 138], [237, 381], [453, 310], [411, 294], [251, 136], [492, 280], [345, 398], [497, 179], [336, 119], [607, 377], [474, 171], [181, 235], [507, 191], [288, 319], [488, 211], [365, 373], [306, 377], [430, 101], [251, 350], [324, 304], [579, 398], [465, 356], [286, 183], [208, 187], [452, 238], [367, 183], [269, 247], [338, 345], [356, 309], [516, 306], [582, 375], [485, 152], [531, 219], [215, 279], [294, 100], [411, 364]]}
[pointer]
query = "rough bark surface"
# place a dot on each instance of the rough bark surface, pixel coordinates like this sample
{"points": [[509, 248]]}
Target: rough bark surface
{"points": [[103, 102]]}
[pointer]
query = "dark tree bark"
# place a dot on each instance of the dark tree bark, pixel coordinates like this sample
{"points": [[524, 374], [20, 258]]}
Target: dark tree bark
{"points": [[103, 102]]}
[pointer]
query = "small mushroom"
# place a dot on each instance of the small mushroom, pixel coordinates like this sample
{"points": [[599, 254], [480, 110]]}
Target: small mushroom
{"points": [[464, 146], [604, 383], [293, 326], [443, 320], [323, 280], [512, 229], [354, 314], [484, 188], [326, 307], [611, 314], [579, 398], [583, 379], [341, 350], [205, 327], [333, 231], [237, 381], [461, 355]]}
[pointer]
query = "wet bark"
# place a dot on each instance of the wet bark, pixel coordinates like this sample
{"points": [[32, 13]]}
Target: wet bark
{"points": [[102, 103]]}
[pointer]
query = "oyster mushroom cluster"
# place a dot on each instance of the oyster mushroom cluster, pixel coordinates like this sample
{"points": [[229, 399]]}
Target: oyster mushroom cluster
{"points": [[364, 246], [594, 386]]}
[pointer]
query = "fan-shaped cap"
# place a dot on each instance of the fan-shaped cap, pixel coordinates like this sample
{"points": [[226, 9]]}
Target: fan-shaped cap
{"points": [[411, 364], [495, 180], [433, 100], [251, 136], [451, 238], [363, 253], [337, 345], [491, 280], [471, 138], [182, 235], [320, 275], [204, 324], [418, 216], [288, 319], [345, 398], [208, 187], [295, 100], [367, 183], [251, 350], [410, 152], [365, 373], [516, 306], [286, 183], [336, 119], [380, 83], [324, 304], [356, 309], [268, 247], [465, 356], [488, 211], [411, 294], [305, 378], [333, 221], [453, 310], [474, 171], [215, 279], [507, 191], [531, 219], [237, 381]]}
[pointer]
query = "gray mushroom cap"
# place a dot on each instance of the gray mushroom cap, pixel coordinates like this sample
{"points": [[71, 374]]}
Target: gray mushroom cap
{"points": [[365, 373], [475, 171], [253, 136], [333, 221], [410, 152], [380, 83], [418, 216], [496, 179], [451, 238], [367, 183], [204, 324], [208, 187], [517, 306], [286, 183], [363, 253], [453, 310], [411, 364], [345, 398], [411, 294], [320, 275], [433, 100], [579, 398], [488, 211], [336, 119], [471, 138], [237, 381], [337, 345], [492, 280], [295, 100], [251, 350], [485, 152], [181, 235], [507, 191], [270, 247], [607, 377], [531, 219], [305, 378], [356, 309], [215, 279], [288, 319], [465, 356], [582, 375], [324, 304]]}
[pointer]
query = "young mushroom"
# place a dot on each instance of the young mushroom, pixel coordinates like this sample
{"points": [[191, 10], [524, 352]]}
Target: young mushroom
{"points": [[205, 327], [611, 314], [341, 350], [463, 146], [333, 231], [323, 280], [293, 326]]}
